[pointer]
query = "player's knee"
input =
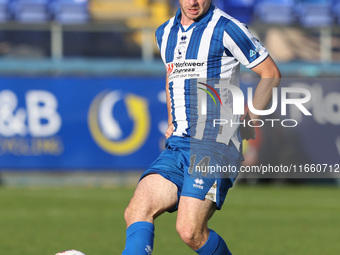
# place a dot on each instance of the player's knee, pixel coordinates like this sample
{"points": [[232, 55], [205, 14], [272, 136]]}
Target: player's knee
{"points": [[128, 215], [133, 214], [138, 212], [188, 233]]}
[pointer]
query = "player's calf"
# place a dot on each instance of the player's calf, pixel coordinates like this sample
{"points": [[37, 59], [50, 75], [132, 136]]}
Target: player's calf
{"points": [[192, 226], [153, 196], [215, 245], [139, 238]]}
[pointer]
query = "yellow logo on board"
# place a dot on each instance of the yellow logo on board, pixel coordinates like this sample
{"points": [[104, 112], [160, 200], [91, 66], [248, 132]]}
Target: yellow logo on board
{"points": [[106, 130]]}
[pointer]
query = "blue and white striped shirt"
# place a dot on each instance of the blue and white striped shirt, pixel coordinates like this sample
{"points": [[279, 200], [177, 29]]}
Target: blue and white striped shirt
{"points": [[200, 62]]}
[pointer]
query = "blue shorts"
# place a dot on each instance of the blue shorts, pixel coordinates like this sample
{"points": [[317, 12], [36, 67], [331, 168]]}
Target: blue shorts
{"points": [[199, 169]]}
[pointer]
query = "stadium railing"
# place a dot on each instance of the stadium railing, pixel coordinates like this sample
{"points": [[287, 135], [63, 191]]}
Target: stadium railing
{"points": [[140, 18]]}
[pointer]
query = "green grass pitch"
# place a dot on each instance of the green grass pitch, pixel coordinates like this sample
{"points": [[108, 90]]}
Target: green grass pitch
{"points": [[254, 220]]}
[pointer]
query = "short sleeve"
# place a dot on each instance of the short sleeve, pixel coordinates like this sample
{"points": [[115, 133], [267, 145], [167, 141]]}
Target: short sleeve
{"points": [[243, 45]]}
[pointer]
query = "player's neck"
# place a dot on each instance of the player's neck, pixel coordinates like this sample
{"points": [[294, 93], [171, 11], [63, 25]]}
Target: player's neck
{"points": [[185, 21]]}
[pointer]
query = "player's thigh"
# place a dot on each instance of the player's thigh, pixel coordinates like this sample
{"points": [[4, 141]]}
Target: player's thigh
{"points": [[193, 214], [153, 196]]}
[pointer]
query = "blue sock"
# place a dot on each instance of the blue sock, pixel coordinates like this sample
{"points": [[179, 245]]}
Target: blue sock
{"points": [[215, 245], [139, 238]]}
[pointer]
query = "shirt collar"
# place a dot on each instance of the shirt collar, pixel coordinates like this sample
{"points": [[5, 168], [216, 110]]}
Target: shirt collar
{"points": [[203, 19]]}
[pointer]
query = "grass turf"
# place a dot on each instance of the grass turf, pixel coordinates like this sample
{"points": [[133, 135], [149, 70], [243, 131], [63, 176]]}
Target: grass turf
{"points": [[254, 220]]}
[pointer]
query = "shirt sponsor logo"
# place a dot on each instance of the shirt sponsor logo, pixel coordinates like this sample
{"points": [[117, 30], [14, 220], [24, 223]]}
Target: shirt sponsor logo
{"points": [[169, 68], [188, 64], [185, 69]]}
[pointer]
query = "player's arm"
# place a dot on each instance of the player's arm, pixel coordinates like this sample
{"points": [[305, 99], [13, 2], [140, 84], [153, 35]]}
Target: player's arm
{"points": [[168, 104], [270, 78]]}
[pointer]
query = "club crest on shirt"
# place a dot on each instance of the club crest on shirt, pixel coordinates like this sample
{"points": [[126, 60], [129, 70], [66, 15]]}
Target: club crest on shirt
{"points": [[180, 52]]}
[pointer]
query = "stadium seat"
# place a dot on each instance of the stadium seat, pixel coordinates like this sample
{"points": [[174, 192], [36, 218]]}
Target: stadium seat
{"points": [[315, 13], [275, 11], [29, 11], [118, 10], [3, 10], [336, 10], [70, 11], [239, 9]]}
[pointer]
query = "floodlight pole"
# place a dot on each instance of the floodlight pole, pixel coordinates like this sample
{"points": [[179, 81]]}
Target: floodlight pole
{"points": [[147, 44], [56, 41], [326, 45]]}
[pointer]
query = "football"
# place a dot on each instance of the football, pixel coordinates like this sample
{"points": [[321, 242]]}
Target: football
{"points": [[70, 252]]}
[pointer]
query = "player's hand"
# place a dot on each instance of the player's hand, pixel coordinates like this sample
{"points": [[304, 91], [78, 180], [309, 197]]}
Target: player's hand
{"points": [[247, 132], [169, 131]]}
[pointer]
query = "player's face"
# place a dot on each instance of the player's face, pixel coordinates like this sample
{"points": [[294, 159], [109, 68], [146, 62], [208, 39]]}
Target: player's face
{"points": [[193, 9]]}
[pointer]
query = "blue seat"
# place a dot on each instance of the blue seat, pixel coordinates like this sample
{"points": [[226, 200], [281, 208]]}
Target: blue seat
{"points": [[275, 11], [315, 13], [4, 10], [239, 9], [70, 11], [336, 10], [31, 11]]}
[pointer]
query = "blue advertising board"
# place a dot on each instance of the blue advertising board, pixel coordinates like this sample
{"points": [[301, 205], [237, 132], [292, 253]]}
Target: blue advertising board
{"points": [[295, 137], [316, 137], [118, 123], [83, 123]]}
